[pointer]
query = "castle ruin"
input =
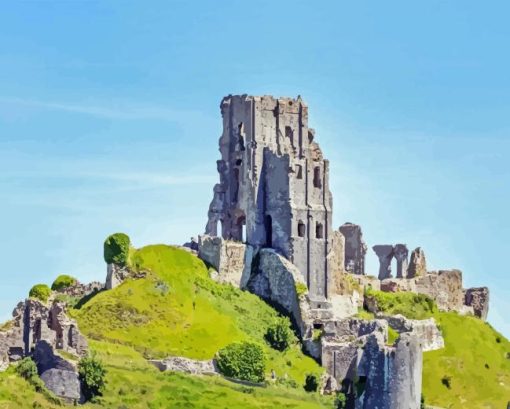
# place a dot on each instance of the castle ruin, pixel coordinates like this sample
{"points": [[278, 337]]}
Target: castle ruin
{"points": [[274, 185]]}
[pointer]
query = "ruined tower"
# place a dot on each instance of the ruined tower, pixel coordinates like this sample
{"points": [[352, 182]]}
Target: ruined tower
{"points": [[274, 184]]}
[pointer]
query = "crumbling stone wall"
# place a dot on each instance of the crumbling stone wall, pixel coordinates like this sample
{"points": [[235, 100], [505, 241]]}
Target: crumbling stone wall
{"points": [[232, 260], [34, 321], [478, 299], [355, 248], [444, 287], [274, 189]]}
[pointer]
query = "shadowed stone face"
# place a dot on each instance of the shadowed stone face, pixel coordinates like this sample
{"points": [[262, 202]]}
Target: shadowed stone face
{"points": [[385, 254], [400, 252]]}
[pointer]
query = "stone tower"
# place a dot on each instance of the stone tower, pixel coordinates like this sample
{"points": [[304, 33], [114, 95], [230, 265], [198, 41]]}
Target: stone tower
{"points": [[274, 185]]}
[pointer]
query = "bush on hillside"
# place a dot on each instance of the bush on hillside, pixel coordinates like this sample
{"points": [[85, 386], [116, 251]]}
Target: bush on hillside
{"points": [[116, 249], [244, 361], [27, 368], [410, 305], [279, 335], [92, 376], [340, 401], [62, 282], [311, 383], [40, 292]]}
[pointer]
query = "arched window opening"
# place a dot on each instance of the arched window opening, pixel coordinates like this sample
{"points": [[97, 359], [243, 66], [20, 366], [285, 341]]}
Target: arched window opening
{"points": [[317, 177], [301, 228], [289, 134], [240, 132], [319, 231]]}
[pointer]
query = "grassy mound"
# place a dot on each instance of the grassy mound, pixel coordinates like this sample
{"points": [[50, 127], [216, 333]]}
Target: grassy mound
{"points": [[178, 310], [475, 361]]}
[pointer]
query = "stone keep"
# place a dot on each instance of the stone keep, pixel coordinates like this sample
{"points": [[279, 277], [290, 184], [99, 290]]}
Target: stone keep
{"points": [[273, 189]]}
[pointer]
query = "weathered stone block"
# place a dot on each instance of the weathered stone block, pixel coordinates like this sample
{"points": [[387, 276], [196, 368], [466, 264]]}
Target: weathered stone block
{"points": [[478, 299]]}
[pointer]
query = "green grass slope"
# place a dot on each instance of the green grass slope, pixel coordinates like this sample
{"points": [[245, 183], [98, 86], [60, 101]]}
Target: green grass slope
{"points": [[475, 358]]}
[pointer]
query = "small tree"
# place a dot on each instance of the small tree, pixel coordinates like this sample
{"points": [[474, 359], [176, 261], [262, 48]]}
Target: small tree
{"points": [[62, 282], [40, 292], [311, 383], [92, 376], [245, 361], [116, 249], [279, 335]]}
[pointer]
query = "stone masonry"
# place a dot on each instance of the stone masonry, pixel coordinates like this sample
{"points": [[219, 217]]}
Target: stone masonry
{"points": [[355, 248], [274, 185]]}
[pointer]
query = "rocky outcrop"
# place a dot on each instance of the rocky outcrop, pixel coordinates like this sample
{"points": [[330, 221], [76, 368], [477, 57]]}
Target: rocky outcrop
{"points": [[115, 275], [58, 375], [80, 290], [444, 287], [277, 280], [186, 365], [417, 264], [34, 321], [231, 259], [478, 299]]}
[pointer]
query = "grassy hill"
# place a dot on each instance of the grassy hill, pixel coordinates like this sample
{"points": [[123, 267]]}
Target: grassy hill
{"points": [[178, 310]]}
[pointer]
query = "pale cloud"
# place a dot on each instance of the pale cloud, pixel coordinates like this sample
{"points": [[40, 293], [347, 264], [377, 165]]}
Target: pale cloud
{"points": [[121, 110]]}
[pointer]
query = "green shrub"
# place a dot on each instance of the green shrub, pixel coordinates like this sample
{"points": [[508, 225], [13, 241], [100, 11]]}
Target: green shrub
{"points": [[392, 336], [40, 292], [116, 249], [27, 369], [92, 376], [341, 401], [279, 335], [245, 361], [422, 402], [311, 383], [62, 282], [317, 334]]}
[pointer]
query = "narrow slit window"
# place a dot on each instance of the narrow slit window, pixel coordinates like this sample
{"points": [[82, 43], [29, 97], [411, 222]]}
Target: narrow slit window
{"points": [[301, 228], [317, 177], [299, 171], [319, 231]]}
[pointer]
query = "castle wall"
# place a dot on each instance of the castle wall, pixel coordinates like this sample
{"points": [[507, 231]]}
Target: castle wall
{"points": [[274, 188]]}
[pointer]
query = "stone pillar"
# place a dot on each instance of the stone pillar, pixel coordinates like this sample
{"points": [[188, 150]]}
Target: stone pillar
{"points": [[385, 254], [418, 264], [355, 248], [401, 252]]}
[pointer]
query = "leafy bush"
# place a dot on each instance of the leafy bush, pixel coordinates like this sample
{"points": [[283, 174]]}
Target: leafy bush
{"points": [[62, 282], [116, 249], [92, 376], [410, 305], [40, 292], [311, 383], [392, 336], [341, 401], [27, 368], [317, 334], [245, 361], [279, 335]]}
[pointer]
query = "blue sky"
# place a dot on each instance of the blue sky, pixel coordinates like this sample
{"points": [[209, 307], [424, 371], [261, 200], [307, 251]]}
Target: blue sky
{"points": [[109, 121]]}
